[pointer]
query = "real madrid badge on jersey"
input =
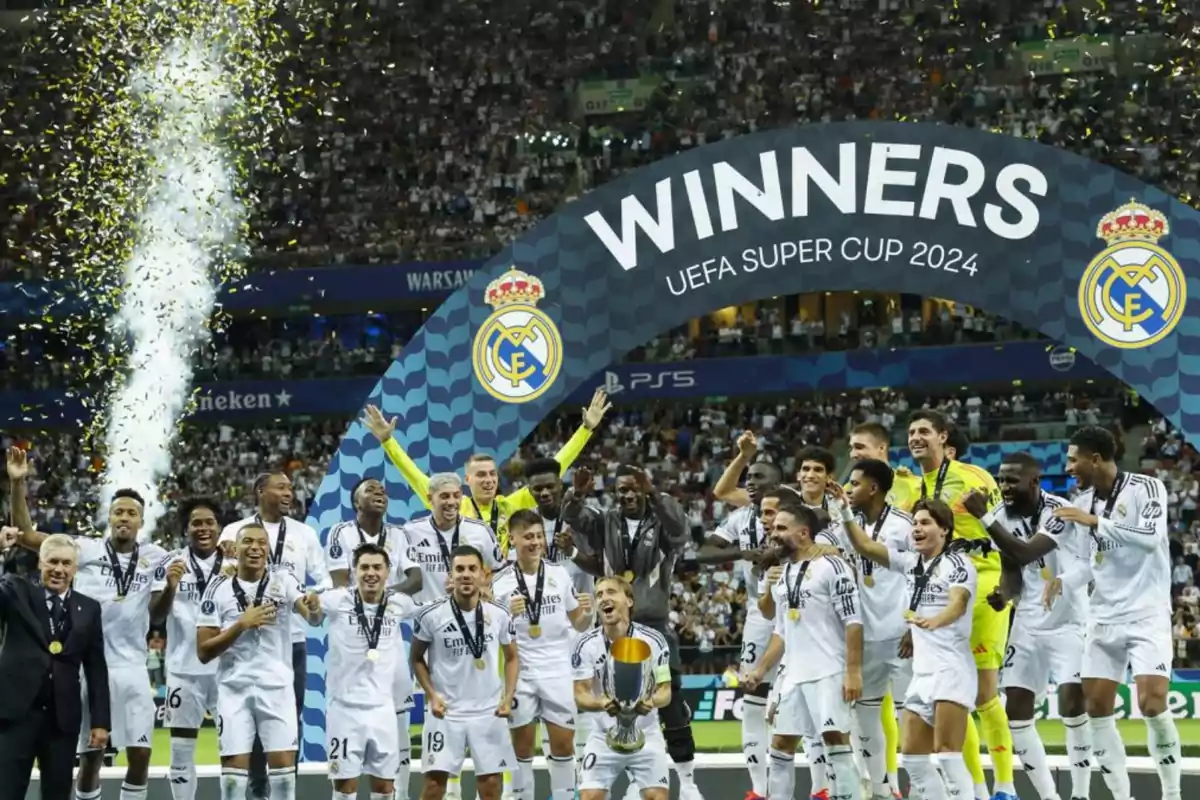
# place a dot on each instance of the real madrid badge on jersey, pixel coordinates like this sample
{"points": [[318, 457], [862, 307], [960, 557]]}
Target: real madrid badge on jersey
{"points": [[518, 351]]}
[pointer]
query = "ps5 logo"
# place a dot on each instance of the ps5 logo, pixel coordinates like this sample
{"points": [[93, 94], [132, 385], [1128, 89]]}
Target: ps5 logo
{"points": [[669, 379]]}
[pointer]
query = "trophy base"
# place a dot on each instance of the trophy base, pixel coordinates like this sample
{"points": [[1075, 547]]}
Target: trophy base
{"points": [[622, 742]]}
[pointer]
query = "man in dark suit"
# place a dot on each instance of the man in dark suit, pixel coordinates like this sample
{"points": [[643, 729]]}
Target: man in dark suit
{"points": [[49, 633]]}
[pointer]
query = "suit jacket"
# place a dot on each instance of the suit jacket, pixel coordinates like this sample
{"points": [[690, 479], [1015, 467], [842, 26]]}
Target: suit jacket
{"points": [[25, 656]]}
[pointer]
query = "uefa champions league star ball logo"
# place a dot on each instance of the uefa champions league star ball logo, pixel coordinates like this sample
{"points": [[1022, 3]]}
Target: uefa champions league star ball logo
{"points": [[1134, 292], [518, 351]]}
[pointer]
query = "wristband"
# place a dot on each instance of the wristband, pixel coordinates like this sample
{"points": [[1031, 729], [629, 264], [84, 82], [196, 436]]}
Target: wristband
{"points": [[847, 514], [988, 518]]}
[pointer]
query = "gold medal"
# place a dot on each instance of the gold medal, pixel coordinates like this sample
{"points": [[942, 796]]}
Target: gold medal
{"points": [[480, 663], [535, 631], [910, 615], [372, 655], [1045, 573], [868, 581], [119, 598], [628, 575], [793, 614], [1099, 558], [55, 648]]}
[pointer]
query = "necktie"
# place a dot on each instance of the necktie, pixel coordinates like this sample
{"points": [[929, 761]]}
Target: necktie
{"points": [[56, 611]]}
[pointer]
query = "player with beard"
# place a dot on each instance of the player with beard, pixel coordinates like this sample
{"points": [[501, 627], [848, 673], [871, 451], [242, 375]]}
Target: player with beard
{"points": [[883, 593], [458, 643], [546, 611], [191, 685], [366, 649], [741, 538], [641, 539], [1122, 521], [125, 579], [945, 479], [1043, 642], [819, 636], [245, 624]]}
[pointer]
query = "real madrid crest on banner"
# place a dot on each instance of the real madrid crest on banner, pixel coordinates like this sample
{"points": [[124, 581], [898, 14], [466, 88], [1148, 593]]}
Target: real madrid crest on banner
{"points": [[517, 352], [1133, 293]]}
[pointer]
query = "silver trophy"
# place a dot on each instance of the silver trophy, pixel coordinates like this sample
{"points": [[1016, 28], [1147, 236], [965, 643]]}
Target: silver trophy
{"points": [[628, 681]]}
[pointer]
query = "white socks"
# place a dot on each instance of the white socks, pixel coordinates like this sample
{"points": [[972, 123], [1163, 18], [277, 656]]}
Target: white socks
{"points": [[686, 772], [754, 742], [344, 795], [1109, 752], [405, 750], [131, 792], [562, 777], [1028, 747], [183, 768], [1079, 751], [846, 783], [1163, 739], [872, 744], [959, 785], [522, 780], [814, 750], [924, 777], [234, 783], [282, 783], [781, 774]]}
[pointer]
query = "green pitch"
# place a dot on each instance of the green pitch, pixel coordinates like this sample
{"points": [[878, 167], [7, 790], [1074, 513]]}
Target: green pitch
{"points": [[725, 737]]}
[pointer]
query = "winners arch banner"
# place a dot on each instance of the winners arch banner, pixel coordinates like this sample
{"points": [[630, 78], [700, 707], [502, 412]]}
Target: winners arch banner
{"points": [[1087, 255]]}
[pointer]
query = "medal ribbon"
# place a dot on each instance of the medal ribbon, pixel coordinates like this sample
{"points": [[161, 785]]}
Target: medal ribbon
{"points": [[923, 576], [123, 580], [198, 571], [552, 545], [533, 605], [240, 594], [441, 540], [495, 521], [381, 541], [631, 543], [868, 566], [277, 558], [1030, 526], [752, 530], [1118, 485], [371, 629], [477, 642], [793, 590], [938, 484], [59, 628]]}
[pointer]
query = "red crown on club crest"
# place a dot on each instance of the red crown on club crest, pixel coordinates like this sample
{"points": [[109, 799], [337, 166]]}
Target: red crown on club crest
{"points": [[1133, 222], [514, 288]]}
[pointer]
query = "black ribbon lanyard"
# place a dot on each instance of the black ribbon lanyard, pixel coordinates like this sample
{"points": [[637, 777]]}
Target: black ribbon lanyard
{"points": [[1030, 526], [495, 521], [477, 642], [373, 628], [123, 580], [533, 605], [441, 540], [923, 576], [280, 538], [240, 594], [198, 571], [381, 541], [939, 482], [552, 546], [752, 530], [631, 542], [1109, 505], [868, 566], [60, 628], [793, 589]]}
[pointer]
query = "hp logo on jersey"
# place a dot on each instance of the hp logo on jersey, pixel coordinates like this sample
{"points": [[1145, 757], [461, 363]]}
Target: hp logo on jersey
{"points": [[517, 353], [1134, 292]]}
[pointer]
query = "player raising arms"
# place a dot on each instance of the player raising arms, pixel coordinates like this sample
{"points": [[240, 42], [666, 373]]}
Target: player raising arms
{"points": [[1122, 520], [819, 634], [1043, 642], [456, 651], [649, 768], [541, 598], [742, 537], [942, 692], [245, 625], [366, 649], [947, 480]]}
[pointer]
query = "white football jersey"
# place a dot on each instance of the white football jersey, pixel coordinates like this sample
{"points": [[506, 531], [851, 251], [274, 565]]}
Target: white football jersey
{"points": [[834, 534], [430, 548], [743, 528], [262, 657], [468, 690], [126, 620], [884, 593], [1129, 551], [352, 677], [300, 554], [590, 662], [1071, 607], [584, 582], [181, 622], [815, 602], [949, 645], [345, 537], [550, 653]]}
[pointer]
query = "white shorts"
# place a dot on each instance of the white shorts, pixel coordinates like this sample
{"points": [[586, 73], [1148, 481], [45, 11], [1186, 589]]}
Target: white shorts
{"points": [[402, 689], [950, 684], [131, 707], [756, 635], [1144, 647], [189, 699], [550, 699], [1034, 658], [884, 670], [361, 741], [648, 768], [268, 713], [446, 741], [812, 708]]}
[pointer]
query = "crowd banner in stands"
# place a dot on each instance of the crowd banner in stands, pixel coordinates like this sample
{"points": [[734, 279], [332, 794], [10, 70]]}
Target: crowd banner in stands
{"points": [[1091, 257]]}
